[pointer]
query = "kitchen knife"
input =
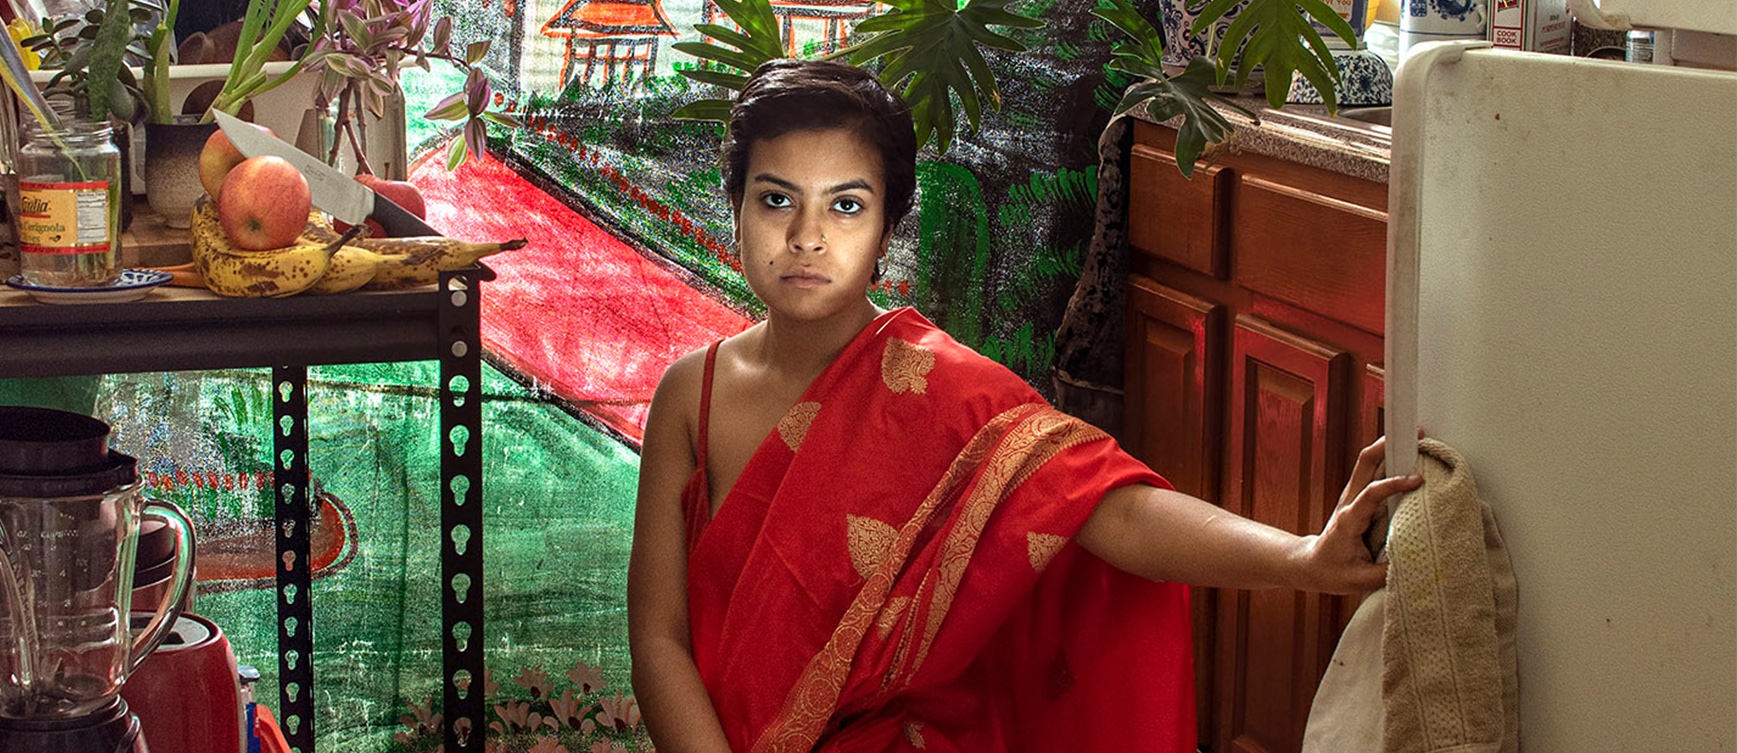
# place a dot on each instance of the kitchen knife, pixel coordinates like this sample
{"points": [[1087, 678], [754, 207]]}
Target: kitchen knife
{"points": [[332, 190]]}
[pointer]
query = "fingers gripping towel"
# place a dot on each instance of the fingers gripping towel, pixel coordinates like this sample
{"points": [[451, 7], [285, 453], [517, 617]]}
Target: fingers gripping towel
{"points": [[1447, 654]]}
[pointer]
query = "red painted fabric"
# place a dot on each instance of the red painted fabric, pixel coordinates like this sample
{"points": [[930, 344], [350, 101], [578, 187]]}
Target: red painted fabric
{"points": [[895, 571], [577, 310]]}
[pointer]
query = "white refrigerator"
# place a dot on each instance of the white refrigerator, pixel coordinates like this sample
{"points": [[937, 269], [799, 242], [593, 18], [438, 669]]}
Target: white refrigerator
{"points": [[1562, 309]]}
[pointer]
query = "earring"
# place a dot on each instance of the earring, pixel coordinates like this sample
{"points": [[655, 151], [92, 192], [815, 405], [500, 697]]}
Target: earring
{"points": [[879, 271]]}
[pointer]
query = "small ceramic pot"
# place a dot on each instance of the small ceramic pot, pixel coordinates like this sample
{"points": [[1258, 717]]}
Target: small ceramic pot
{"points": [[172, 167], [1364, 81], [1180, 44], [1440, 20]]}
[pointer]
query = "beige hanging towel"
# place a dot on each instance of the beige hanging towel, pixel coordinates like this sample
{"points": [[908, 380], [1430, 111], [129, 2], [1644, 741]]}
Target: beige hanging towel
{"points": [[1427, 664]]}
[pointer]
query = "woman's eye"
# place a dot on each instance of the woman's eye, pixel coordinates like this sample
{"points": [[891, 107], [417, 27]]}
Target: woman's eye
{"points": [[848, 206], [775, 200]]}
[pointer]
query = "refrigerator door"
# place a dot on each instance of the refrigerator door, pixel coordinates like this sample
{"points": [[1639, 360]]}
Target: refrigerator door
{"points": [[1563, 310]]}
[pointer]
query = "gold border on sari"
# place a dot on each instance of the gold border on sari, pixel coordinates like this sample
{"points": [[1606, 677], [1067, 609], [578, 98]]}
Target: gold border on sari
{"points": [[1002, 455]]}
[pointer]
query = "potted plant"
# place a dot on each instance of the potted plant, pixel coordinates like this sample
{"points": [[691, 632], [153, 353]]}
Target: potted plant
{"points": [[933, 54], [364, 47], [175, 139], [90, 79]]}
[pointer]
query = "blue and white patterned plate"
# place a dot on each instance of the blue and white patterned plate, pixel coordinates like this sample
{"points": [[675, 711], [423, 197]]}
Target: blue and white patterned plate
{"points": [[132, 285]]}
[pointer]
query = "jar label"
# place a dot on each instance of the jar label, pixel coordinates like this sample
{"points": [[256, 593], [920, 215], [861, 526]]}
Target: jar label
{"points": [[63, 218]]}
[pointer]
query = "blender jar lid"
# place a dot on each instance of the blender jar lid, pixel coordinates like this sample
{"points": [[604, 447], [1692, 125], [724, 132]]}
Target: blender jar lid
{"points": [[120, 470], [43, 442]]}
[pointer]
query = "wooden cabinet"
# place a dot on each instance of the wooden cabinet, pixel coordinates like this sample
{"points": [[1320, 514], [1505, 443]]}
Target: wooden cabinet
{"points": [[1253, 378]]}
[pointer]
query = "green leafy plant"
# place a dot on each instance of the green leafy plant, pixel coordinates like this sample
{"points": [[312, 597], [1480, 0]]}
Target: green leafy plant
{"points": [[757, 42], [931, 47], [929, 50], [262, 29], [89, 52], [932, 52], [358, 58], [1277, 36], [157, 58], [1280, 39]]}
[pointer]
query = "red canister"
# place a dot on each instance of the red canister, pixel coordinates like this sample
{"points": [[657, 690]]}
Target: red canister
{"points": [[188, 693]]}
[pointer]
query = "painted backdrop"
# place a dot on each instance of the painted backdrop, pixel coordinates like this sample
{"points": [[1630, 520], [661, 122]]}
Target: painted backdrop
{"points": [[626, 270]]}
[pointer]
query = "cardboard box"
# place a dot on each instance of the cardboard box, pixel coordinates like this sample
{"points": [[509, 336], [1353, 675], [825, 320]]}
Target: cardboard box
{"points": [[1532, 25]]}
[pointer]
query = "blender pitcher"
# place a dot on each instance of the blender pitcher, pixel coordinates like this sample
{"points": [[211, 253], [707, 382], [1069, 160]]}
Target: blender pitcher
{"points": [[69, 520]]}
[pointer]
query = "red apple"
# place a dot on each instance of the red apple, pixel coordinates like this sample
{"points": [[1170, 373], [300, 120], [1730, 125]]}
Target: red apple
{"points": [[264, 203], [402, 193], [217, 159]]}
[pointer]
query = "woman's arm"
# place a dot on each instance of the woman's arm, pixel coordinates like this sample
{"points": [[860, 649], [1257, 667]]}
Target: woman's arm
{"points": [[1170, 536], [666, 684]]}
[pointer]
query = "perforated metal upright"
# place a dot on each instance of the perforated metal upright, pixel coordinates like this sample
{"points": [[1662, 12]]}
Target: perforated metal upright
{"points": [[295, 613], [461, 520]]}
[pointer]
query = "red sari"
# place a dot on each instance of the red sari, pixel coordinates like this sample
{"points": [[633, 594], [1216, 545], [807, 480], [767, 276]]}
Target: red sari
{"points": [[895, 571]]}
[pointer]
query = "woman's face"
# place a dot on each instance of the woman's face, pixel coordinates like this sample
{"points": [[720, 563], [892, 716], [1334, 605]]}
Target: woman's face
{"points": [[811, 224]]}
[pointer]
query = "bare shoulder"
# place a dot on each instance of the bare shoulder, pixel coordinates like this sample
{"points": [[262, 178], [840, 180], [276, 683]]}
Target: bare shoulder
{"points": [[675, 406]]}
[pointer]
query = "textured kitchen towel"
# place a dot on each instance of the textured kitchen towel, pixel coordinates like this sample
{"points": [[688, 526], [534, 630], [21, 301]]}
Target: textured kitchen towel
{"points": [[1347, 716], [1448, 679]]}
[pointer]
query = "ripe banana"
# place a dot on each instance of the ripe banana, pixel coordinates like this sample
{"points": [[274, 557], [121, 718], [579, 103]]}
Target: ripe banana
{"points": [[207, 234], [240, 273], [413, 262], [351, 268]]}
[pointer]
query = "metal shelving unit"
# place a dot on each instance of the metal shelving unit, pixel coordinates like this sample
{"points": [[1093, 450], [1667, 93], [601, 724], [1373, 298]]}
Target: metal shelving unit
{"points": [[187, 330]]}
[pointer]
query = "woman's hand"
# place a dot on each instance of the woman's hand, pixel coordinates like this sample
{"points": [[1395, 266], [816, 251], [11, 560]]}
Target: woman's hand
{"points": [[1337, 561]]}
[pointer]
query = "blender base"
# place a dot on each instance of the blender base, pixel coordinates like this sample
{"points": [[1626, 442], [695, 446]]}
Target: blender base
{"points": [[113, 729]]}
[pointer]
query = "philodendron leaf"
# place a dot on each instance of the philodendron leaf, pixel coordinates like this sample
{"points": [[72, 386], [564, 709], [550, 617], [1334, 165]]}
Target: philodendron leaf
{"points": [[931, 52], [1279, 39], [705, 109], [1145, 44], [1186, 94], [757, 42]]}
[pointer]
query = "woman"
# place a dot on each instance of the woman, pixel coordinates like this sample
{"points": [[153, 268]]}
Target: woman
{"points": [[856, 534]]}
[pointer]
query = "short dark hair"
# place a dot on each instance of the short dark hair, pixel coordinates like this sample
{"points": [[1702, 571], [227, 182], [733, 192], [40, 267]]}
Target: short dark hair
{"points": [[786, 96]]}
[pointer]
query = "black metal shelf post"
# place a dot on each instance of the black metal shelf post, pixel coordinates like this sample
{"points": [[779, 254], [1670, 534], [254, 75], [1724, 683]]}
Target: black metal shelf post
{"points": [[295, 611], [189, 330], [461, 520]]}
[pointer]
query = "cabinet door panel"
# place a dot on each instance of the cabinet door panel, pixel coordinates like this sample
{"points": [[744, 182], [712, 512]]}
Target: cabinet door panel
{"points": [[1174, 217], [1284, 468], [1173, 367], [1174, 377], [1315, 251]]}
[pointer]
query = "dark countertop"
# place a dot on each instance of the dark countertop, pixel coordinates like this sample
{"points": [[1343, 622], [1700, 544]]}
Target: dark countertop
{"points": [[1307, 135]]}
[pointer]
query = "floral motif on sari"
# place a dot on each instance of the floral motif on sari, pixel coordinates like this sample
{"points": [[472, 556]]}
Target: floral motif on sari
{"points": [[902, 561], [904, 365], [1004, 453], [794, 426]]}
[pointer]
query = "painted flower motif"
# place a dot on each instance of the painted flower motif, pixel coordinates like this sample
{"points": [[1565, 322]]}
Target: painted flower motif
{"points": [[565, 710], [515, 715], [421, 720], [619, 713], [588, 678], [548, 745], [534, 679], [608, 746]]}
